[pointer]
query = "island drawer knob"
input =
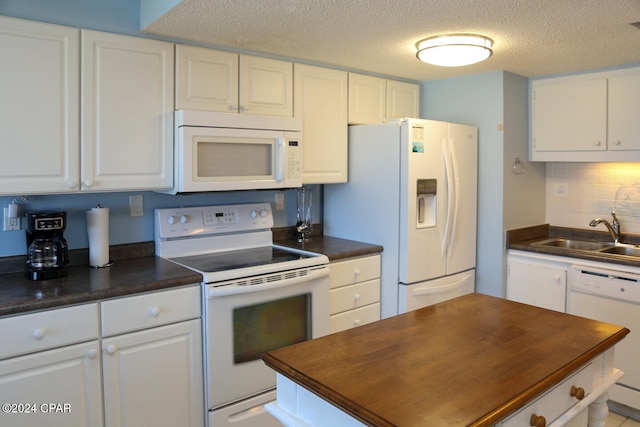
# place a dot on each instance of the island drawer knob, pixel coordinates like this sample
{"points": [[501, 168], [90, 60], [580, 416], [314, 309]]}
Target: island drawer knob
{"points": [[537, 421], [577, 392]]}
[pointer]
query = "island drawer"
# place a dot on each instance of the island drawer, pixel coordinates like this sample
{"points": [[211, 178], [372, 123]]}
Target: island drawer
{"points": [[150, 310], [352, 318], [354, 270], [355, 296], [30, 333], [556, 401]]}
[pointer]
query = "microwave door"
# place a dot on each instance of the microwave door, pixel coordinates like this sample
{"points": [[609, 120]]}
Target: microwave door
{"points": [[216, 159]]}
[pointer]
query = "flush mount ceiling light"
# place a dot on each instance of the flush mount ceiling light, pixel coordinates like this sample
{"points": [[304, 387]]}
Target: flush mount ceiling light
{"points": [[454, 50]]}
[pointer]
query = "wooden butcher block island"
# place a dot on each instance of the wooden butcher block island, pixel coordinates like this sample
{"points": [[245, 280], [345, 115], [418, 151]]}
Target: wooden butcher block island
{"points": [[472, 361]]}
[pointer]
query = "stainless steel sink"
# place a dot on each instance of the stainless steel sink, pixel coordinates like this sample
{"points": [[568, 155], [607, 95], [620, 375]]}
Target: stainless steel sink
{"points": [[581, 245], [633, 251]]}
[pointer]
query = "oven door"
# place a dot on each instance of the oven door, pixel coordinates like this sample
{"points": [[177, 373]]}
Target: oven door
{"points": [[218, 159], [245, 321]]}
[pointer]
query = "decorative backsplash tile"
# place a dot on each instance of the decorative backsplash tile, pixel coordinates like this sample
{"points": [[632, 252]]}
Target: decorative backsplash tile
{"points": [[579, 192]]}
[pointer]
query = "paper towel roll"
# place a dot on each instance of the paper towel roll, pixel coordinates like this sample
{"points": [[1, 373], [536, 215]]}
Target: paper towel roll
{"points": [[98, 231]]}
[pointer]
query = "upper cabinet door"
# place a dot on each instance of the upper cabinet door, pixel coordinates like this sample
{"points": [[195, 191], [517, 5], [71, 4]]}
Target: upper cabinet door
{"points": [[403, 99], [266, 86], [206, 79], [127, 112], [39, 111], [367, 99], [624, 126], [320, 96], [570, 116]]}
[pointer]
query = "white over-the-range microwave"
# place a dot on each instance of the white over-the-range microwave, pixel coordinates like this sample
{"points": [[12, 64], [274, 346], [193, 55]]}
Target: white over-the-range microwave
{"points": [[225, 151]]}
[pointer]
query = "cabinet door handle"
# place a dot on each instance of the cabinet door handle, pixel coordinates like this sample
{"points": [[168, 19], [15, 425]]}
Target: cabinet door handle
{"points": [[537, 421], [598, 143], [617, 142], [111, 349], [577, 392], [92, 354]]}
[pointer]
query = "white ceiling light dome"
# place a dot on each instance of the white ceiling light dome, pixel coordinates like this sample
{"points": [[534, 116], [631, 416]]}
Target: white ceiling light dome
{"points": [[454, 50]]}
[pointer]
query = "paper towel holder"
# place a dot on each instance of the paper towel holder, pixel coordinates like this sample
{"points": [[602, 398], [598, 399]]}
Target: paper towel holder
{"points": [[98, 238]]}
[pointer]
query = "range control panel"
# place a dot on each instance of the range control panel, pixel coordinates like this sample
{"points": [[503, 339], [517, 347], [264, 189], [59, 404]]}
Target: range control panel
{"points": [[212, 220]]}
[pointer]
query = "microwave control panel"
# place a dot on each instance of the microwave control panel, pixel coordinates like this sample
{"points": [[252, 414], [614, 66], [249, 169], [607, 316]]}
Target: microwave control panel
{"points": [[294, 160]]}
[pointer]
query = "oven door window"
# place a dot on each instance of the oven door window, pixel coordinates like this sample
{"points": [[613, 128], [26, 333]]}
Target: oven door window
{"points": [[260, 328], [231, 158]]}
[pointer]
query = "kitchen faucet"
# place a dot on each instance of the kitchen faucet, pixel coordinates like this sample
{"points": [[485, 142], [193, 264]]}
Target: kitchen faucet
{"points": [[614, 227]]}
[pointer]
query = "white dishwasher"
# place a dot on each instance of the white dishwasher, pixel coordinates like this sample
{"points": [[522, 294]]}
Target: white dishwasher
{"points": [[612, 297]]}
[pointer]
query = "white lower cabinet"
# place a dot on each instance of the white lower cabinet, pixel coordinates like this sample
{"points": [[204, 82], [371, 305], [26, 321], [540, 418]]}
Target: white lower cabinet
{"points": [[537, 282], [153, 373], [355, 292], [154, 377], [57, 382], [55, 370]]}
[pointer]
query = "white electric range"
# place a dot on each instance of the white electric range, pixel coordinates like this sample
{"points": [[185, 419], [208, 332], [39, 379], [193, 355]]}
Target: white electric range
{"points": [[257, 296]]}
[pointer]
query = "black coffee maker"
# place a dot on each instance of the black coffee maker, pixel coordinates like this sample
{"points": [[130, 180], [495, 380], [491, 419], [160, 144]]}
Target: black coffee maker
{"points": [[47, 251]]}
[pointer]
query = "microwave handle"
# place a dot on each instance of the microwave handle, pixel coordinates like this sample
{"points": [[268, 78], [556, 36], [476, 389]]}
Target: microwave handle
{"points": [[280, 156]]}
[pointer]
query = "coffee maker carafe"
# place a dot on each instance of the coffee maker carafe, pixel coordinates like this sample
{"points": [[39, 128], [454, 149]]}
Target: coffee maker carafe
{"points": [[47, 251]]}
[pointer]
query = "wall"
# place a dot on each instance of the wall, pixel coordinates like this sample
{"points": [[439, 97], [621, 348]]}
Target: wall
{"points": [[579, 192], [497, 103]]}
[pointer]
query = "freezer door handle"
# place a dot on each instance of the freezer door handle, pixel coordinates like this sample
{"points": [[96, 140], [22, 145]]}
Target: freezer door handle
{"points": [[430, 290]]}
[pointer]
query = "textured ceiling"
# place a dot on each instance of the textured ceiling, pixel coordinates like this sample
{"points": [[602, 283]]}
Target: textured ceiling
{"points": [[532, 37]]}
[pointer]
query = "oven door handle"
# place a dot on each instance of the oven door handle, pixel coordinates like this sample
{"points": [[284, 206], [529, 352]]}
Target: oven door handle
{"points": [[223, 291]]}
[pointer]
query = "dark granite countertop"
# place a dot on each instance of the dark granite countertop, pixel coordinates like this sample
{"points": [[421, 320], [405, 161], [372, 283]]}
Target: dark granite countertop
{"points": [[135, 270], [334, 248], [523, 239]]}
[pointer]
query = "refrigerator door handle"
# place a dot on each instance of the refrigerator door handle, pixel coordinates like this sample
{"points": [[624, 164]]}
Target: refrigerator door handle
{"points": [[450, 197], [456, 197]]}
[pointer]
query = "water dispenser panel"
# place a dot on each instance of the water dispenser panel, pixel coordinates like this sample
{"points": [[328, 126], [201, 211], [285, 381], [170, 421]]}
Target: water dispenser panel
{"points": [[426, 203]]}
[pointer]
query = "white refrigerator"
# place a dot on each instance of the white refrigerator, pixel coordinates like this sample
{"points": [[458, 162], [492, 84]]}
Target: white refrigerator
{"points": [[412, 189]]}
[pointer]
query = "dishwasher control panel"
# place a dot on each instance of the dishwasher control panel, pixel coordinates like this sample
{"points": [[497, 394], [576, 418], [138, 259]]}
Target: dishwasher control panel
{"points": [[609, 283]]}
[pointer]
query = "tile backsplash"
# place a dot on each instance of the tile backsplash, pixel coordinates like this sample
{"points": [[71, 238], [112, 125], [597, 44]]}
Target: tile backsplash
{"points": [[579, 192]]}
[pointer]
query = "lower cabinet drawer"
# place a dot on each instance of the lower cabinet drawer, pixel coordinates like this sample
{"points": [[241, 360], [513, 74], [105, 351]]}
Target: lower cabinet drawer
{"points": [[150, 310], [42, 330], [354, 296], [354, 270], [556, 401], [352, 318]]}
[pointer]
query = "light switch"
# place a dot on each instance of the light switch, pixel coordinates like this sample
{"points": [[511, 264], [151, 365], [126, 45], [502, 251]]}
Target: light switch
{"points": [[136, 207]]}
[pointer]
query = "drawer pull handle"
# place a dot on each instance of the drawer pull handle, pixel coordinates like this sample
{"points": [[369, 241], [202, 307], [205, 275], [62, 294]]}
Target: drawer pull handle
{"points": [[356, 322], [577, 392], [155, 312], [111, 349], [537, 421], [356, 297], [92, 353], [38, 333]]}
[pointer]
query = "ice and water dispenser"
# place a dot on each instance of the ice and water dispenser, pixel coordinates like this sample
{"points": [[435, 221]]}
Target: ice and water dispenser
{"points": [[427, 202]]}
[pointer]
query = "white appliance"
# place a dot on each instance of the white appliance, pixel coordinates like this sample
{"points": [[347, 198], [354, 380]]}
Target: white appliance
{"points": [[412, 189], [225, 151], [257, 297], [612, 297]]}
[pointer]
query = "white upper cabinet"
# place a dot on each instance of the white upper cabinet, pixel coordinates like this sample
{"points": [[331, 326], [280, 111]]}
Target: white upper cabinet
{"points": [[374, 99], [403, 99], [624, 126], [39, 111], [320, 96], [127, 112], [266, 86], [212, 80], [206, 79], [587, 118]]}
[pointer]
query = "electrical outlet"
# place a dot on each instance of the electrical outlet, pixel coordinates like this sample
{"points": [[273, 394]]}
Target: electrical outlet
{"points": [[10, 224], [279, 201], [136, 205]]}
